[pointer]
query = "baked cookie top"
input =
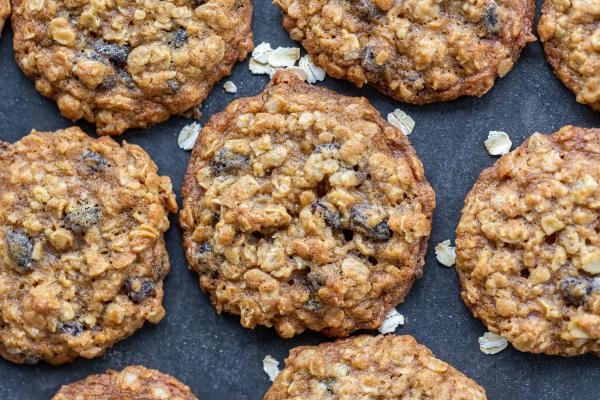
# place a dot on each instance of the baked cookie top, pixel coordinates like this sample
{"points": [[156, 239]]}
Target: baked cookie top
{"points": [[571, 37], [370, 368], [82, 256], [528, 244], [4, 12], [127, 64], [416, 51], [303, 208], [132, 383]]}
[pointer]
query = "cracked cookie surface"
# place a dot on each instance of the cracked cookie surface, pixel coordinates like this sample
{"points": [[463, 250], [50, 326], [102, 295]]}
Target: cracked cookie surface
{"points": [[370, 368], [571, 37], [126, 64], [416, 51], [303, 208], [4, 12], [132, 383], [528, 244], [82, 256]]}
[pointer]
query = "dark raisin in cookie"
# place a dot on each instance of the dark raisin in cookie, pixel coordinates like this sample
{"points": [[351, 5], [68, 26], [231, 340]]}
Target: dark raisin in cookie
{"points": [[303, 208]]}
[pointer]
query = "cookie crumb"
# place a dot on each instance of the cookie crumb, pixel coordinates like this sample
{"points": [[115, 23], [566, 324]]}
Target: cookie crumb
{"points": [[445, 254], [230, 87], [391, 322], [284, 57], [314, 73], [271, 367], [402, 121], [498, 143], [188, 135], [491, 343]]}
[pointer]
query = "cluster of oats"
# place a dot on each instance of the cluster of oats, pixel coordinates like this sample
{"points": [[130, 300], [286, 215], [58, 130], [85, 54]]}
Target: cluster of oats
{"points": [[266, 60]]}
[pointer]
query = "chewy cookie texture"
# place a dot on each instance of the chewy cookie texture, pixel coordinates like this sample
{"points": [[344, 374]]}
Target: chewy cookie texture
{"points": [[132, 383], [305, 209], [4, 12], [125, 64], [413, 51], [528, 244], [364, 367], [569, 31], [82, 256]]}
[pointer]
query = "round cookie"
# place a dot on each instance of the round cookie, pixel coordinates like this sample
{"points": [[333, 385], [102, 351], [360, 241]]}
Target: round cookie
{"points": [[386, 367], [4, 12], [82, 256], [571, 38], [129, 64], [413, 51], [132, 383], [303, 208], [528, 244]]}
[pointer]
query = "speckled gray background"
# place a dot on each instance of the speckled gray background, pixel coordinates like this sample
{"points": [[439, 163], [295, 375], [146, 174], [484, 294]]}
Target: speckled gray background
{"points": [[221, 360]]}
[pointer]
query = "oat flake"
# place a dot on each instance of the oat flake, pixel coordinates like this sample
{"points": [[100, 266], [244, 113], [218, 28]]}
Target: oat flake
{"points": [[230, 87], [284, 57], [445, 254], [314, 73], [271, 367], [498, 143], [402, 121], [188, 135], [391, 322], [491, 343]]}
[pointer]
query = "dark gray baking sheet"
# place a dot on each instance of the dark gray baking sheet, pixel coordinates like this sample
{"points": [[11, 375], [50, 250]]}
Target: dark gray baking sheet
{"points": [[221, 360]]}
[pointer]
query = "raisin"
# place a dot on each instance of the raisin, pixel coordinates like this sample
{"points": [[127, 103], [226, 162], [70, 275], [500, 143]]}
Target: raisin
{"points": [[19, 248], [139, 289], [94, 162], [359, 223], [73, 328], [199, 2], [329, 213], [368, 57], [82, 217], [329, 383], [203, 251], [174, 86], [327, 147], [108, 82], [313, 304], [117, 55], [490, 21], [226, 160], [368, 10], [574, 290], [126, 79], [180, 37]]}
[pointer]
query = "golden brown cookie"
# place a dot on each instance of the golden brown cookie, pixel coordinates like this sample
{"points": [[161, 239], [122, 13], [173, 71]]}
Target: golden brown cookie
{"points": [[303, 208], [370, 368], [132, 383], [82, 256], [528, 244], [129, 64], [571, 37], [413, 51], [4, 12]]}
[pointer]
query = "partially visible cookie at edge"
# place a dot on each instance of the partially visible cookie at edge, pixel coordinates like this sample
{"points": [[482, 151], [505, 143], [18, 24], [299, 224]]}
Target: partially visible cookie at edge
{"points": [[528, 244], [386, 367], [413, 51], [4, 12], [82, 255], [571, 37], [303, 209], [129, 64], [132, 383]]}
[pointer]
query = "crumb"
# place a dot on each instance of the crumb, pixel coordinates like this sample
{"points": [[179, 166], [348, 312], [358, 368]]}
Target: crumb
{"points": [[402, 121], [490, 343], [498, 143], [314, 73], [230, 87], [391, 322], [445, 254], [271, 367], [284, 57], [188, 135]]}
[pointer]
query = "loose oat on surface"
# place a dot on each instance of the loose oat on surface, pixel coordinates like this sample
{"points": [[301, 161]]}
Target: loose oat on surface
{"points": [[528, 244], [402, 121], [414, 51], [392, 321], [386, 367], [491, 344], [132, 383], [305, 209], [188, 135], [230, 87], [82, 256], [571, 37], [445, 253], [271, 367], [4, 12], [498, 143], [129, 64]]}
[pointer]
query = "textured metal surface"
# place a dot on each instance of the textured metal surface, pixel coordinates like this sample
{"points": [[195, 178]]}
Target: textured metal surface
{"points": [[221, 360]]}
